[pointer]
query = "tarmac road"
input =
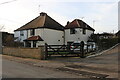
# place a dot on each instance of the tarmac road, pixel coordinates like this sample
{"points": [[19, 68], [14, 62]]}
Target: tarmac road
{"points": [[13, 69]]}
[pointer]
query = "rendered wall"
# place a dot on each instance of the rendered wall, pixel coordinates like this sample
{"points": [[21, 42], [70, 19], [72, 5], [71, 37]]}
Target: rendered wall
{"points": [[78, 36]]}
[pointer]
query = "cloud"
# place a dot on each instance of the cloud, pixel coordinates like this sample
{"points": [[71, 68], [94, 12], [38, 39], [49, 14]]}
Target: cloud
{"points": [[20, 12]]}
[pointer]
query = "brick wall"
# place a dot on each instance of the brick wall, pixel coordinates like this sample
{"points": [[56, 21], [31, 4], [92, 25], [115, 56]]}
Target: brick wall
{"points": [[36, 53]]}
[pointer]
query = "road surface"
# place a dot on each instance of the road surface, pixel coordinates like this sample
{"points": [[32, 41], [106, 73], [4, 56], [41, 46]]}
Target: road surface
{"points": [[13, 69]]}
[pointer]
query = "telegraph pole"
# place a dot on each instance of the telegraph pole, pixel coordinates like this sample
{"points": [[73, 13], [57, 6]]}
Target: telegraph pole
{"points": [[39, 8], [94, 23]]}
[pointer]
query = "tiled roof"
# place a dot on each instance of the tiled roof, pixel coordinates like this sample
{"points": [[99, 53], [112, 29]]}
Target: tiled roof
{"points": [[34, 38], [78, 24], [42, 21]]}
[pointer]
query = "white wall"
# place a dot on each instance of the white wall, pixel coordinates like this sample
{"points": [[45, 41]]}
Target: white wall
{"points": [[20, 38], [78, 36], [53, 36], [50, 36]]}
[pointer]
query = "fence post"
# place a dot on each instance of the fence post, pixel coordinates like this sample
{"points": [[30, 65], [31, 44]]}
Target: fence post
{"points": [[69, 48], [87, 48], [82, 50], [92, 47], [46, 51]]}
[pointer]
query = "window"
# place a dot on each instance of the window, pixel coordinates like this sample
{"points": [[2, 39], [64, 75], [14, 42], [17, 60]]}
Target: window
{"points": [[72, 31], [32, 32], [21, 33], [84, 31]]}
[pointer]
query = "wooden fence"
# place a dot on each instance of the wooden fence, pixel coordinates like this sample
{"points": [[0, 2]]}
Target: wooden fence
{"points": [[80, 50]]}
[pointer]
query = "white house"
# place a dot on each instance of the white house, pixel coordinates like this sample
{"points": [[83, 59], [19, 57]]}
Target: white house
{"points": [[40, 30], [44, 29], [77, 30]]}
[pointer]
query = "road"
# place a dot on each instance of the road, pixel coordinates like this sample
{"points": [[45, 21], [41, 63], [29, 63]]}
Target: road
{"points": [[13, 69]]}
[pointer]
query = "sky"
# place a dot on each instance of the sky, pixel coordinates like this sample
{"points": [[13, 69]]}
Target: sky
{"points": [[102, 15]]}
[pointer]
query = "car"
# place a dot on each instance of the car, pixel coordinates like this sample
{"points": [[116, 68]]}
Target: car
{"points": [[92, 45], [88, 46], [75, 46]]}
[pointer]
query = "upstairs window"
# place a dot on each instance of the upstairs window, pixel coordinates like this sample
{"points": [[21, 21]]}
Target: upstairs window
{"points": [[84, 31], [72, 31], [21, 33], [32, 32]]}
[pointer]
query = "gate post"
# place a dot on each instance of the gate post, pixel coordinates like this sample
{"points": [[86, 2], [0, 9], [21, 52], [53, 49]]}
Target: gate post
{"points": [[46, 51], [82, 50], [68, 46], [87, 48]]}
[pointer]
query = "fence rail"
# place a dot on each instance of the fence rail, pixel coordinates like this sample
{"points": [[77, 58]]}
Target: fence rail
{"points": [[79, 50]]}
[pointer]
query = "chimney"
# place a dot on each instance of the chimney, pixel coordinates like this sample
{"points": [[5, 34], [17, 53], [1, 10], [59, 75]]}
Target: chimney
{"points": [[42, 14], [68, 22]]}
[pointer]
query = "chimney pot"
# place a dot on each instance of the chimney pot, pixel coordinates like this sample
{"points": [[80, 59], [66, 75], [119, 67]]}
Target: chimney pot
{"points": [[68, 22], [42, 14]]}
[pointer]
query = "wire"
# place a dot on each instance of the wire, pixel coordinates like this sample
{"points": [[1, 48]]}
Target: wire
{"points": [[7, 2]]}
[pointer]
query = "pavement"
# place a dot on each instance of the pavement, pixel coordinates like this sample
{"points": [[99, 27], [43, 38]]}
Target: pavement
{"points": [[101, 66]]}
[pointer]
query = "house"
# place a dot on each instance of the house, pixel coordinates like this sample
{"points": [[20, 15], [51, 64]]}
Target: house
{"points": [[40, 30], [77, 30], [44, 29], [6, 39]]}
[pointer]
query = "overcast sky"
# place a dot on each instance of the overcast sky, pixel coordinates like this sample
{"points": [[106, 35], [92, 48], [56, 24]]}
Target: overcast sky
{"points": [[103, 13]]}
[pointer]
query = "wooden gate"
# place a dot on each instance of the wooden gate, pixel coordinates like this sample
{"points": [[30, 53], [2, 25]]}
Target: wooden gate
{"points": [[79, 50]]}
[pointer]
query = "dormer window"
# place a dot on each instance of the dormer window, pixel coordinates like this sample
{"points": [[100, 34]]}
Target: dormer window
{"points": [[72, 31], [32, 32]]}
